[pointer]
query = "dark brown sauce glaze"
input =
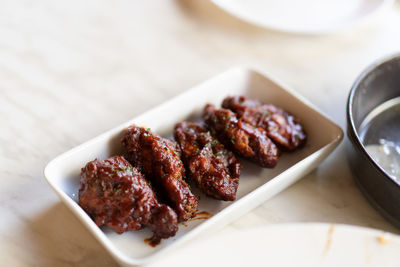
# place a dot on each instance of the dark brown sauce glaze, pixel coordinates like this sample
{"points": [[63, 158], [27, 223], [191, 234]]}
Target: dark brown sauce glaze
{"points": [[242, 138], [159, 160], [201, 215], [151, 241], [116, 195], [283, 128], [214, 169]]}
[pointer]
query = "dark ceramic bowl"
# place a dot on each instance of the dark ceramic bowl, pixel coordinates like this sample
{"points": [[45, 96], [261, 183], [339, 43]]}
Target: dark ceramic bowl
{"points": [[377, 84]]}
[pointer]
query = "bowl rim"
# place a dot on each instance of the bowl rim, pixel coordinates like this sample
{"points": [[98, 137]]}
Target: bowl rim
{"points": [[355, 138]]}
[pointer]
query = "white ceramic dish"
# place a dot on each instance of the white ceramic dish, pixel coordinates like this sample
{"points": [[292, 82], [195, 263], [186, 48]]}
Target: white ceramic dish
{"points": [[256, 184], [306, 16], [288, 245]]}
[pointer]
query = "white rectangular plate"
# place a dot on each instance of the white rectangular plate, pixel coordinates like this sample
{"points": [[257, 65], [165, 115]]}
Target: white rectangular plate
{"points": [[256, 184]]}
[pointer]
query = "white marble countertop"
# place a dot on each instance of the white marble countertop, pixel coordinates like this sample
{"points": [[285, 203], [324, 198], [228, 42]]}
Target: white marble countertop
{"points": [[74, 69]]}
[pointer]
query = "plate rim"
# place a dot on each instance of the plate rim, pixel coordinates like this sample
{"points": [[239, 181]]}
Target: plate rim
{"points": [[332, 231], [385, 4]]}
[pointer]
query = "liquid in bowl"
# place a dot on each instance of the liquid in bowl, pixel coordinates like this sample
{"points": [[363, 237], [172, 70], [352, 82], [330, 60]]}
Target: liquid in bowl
{"points": [[379, 132]]}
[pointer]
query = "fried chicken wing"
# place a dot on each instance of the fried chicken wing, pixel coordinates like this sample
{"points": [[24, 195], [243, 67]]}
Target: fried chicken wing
{"points": [[117, 195], [214, 169], [283, 128], [246, 140], [159, 159]]}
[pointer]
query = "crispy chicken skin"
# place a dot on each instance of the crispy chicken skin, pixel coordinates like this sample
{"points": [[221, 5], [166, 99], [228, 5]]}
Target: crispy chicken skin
{"points": [[117, 195], [159, 160], [214, 169], [245, 140], [283, 128]]}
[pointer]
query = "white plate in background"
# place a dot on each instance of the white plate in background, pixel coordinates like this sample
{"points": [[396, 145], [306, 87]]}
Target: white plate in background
{"points": [[288, 245], [256, 184], [304, 16]]}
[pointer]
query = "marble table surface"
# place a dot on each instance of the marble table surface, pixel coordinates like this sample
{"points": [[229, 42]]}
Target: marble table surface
{"points": [[70, 70]]}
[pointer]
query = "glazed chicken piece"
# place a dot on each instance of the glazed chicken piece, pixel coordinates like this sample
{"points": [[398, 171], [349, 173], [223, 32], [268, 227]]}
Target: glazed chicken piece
{"points": [[283, 128], [159, 160], [242, 138], [117, 195], [214, 169]]}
